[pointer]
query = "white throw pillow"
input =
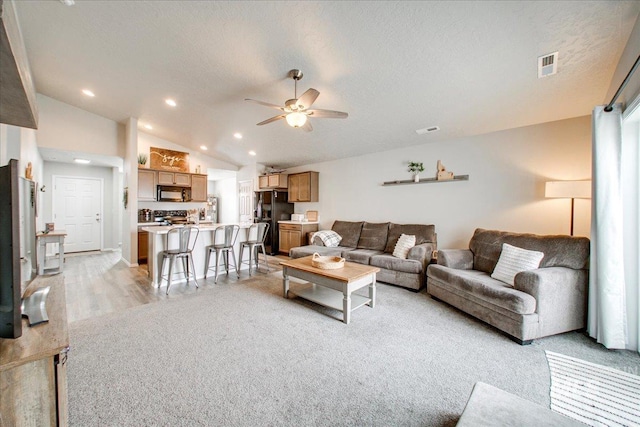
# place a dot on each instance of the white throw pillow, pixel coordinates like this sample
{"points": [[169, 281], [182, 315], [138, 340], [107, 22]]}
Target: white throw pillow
{"points": [[329, 238], [405, 243], [513, 260]]}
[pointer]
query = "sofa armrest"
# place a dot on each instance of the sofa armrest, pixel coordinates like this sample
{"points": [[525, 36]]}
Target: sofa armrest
{"points": [[460, 259], [422, 252], [311, 241], [561, 296]]}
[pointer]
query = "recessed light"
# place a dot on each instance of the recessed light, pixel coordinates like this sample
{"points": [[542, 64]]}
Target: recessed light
{"points": [[170, 102], [237, 135], [83, 161], [252, 153], [88, 92], [148, 126], [203, 147]]}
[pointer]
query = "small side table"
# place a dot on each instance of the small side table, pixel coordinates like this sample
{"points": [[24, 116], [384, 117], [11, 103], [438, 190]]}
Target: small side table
{"points": [[55, 236]]}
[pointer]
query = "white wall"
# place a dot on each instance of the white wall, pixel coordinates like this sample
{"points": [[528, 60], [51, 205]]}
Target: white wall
{"points": [[505, 191], [68, 128], [20, 144], [111, 208]]}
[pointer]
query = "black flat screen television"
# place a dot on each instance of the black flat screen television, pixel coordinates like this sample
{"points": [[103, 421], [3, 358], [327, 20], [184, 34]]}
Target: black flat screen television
{"points": [[17, 246]]}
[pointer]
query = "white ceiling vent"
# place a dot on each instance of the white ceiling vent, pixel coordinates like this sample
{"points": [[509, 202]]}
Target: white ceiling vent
{"points": [[428, 130], [547, 65]]}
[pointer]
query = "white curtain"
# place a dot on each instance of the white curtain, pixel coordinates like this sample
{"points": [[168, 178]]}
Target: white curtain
{"points": [[607, 305], [631, 217]]}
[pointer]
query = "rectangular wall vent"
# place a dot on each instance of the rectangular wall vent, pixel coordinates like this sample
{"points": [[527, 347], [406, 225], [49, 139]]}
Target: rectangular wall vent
{"points": [[547, 65], [427, 130]]}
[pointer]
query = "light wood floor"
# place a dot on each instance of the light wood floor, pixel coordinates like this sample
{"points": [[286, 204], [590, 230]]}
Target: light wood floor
{"points": [[98, 283]]}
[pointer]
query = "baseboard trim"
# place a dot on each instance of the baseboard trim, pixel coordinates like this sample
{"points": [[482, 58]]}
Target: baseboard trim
{"points": [[129, 264]]}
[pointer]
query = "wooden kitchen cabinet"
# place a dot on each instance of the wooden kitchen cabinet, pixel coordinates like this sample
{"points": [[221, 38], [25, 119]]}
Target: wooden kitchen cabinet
{"points": [[274, 180], [198, 188], [303, 187], [174, 178], [33, 380], [143, 246], [293, 235], [146, 184]]}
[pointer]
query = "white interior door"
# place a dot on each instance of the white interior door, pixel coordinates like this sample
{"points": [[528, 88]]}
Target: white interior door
{"points": [[77, 209], [245, 194]]}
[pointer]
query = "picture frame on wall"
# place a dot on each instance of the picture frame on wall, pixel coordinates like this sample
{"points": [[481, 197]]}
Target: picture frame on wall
{"points": [[169, 160]]}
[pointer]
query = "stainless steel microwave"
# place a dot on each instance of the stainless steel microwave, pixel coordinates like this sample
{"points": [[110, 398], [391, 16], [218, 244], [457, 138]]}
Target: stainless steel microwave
{"points": [[173, 194]]}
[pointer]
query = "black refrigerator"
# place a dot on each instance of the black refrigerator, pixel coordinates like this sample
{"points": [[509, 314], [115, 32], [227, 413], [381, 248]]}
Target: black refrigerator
{"points": [[272, 206]]}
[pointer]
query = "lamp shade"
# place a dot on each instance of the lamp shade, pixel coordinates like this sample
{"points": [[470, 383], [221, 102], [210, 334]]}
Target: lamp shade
{"points": [[568, 189], [296, 119]]}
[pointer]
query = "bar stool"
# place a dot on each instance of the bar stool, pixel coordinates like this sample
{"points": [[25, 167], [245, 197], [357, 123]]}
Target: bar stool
{"points": [[183, 251], [228, 235], [261, 229]]}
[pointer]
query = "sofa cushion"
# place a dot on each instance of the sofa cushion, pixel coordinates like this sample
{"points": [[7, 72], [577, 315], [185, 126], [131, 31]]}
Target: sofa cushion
{"points": [[374, 236], [361, 256], [390, 262], [424, 233], [513, 260], [404, 245], [303, 251], [479, 284], [349, 231], [559, 251]]}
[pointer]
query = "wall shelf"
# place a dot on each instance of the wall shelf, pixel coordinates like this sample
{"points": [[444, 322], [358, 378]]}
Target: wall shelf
{"points": [[427, 180]]}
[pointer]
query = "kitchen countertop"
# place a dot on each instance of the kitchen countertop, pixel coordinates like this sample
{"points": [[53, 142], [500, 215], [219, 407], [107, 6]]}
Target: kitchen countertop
{"points": [[160, 224], [164, 229], [298, 222]]}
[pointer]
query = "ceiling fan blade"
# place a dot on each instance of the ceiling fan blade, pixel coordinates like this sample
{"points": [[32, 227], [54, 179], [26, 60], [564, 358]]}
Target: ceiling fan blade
{"points": [[272, 119], [307, 126], [307, 99], [266, 104], [327, 114]]}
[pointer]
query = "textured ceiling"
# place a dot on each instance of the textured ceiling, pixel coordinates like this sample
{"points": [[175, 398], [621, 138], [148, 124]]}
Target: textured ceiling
{"points": [[468, 67]]}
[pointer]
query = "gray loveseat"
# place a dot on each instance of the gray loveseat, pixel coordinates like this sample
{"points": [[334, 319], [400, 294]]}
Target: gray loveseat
{"points": [[373, 244], [549, 300]]}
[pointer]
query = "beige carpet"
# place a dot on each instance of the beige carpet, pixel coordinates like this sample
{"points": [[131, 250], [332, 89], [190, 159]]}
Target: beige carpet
{"points": [[241, 355]]}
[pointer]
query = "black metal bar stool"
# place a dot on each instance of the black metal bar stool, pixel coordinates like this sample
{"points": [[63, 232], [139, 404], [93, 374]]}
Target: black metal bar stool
{"points": [[186, 237], [260, 230], [224, 238]]}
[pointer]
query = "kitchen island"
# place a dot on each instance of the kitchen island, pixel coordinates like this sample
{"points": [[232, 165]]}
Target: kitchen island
{"points": [[158, 243]]}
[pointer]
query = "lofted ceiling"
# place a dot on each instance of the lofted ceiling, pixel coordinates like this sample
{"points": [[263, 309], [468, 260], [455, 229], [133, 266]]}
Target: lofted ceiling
{"points": [[395, 67]]}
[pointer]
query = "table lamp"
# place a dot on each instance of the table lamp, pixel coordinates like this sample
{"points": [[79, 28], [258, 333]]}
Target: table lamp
{"points": [[568, 190]]}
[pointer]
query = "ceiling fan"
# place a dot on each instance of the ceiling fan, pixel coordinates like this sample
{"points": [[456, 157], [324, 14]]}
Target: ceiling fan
{"points": [[297, 111]]}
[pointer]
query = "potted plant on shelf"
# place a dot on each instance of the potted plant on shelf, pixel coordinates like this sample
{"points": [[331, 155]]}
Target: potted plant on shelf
{"points": [[142, 159], [416, 168]]}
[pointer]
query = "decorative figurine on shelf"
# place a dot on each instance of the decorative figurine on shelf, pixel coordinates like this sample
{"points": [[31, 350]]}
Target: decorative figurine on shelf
{"points": [[443, 175], [416, 168], [28, 173]]}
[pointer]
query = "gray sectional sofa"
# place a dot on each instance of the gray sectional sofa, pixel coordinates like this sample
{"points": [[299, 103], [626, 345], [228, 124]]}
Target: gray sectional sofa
{"points": [[373, 244], [549, 300]]}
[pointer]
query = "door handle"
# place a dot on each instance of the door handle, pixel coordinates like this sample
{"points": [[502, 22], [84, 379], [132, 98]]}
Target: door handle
{"points": [[97, 217]]}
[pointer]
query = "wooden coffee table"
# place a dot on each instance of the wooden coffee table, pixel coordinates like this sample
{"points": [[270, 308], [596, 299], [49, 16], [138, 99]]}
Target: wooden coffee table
{"points": [[332, 288]]}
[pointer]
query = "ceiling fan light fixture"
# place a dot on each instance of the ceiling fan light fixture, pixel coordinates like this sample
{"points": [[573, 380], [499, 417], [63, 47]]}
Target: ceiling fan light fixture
{"points": [[296, 120]]}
